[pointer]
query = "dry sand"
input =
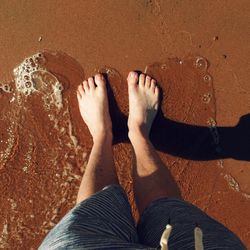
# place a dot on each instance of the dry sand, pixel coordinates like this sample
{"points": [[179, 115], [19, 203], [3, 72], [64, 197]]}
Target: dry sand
{"points": [[198, 51]]}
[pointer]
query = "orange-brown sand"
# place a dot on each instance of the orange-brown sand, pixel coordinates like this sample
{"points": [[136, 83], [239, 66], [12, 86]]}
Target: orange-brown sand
{"points": [[197, 52]]}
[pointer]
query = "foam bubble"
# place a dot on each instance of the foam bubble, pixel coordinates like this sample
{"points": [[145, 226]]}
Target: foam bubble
{"points": [[4, 236], [24, 71], [57, 94], [207, 78], [4, 155], [32, 76], [5, 87], [211, 122], [164, 66], [214, 131], [43, 80], [206, 98], [201, 63]]}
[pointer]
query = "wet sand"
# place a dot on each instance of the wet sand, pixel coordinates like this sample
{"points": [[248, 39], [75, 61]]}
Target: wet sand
{"points": [[199, 55]]}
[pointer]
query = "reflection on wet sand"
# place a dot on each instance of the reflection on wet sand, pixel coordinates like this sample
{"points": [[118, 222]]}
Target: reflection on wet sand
{"points": [[44, 143]]}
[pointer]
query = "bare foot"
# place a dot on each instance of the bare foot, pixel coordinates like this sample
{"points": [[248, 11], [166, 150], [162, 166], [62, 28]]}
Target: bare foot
{"points": [[93, 105], [143, 102]]}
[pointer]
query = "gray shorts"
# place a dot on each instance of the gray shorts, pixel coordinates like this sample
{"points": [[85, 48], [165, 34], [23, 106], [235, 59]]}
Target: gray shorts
{"points": [[104, 221]]}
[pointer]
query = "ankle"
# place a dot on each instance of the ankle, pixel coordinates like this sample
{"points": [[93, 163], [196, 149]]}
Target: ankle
{"points": [[138, 134], [103, 136]]}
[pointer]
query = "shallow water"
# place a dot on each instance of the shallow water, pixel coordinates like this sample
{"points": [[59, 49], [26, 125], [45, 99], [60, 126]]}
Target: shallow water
{"points": [[127, 35], [41, 159], [44, 143]]}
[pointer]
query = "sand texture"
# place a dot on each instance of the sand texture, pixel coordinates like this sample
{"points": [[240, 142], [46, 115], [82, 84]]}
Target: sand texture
{"points": [[197, 51]]}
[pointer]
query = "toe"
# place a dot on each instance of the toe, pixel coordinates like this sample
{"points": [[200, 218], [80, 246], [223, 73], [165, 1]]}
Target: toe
{"points": [[132, 79], [157, 95], [80, 90], [85, 86], [100, 80], [91, 83], [142, 80], [157, 91], [153, 85], [79, 97], [147, 82]]}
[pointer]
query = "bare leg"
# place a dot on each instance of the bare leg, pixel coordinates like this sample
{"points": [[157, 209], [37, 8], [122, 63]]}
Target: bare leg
{"points": [[151, 177], [93, 105]]}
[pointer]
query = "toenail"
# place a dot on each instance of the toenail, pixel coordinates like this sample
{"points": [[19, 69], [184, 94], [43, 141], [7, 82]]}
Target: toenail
{"points": [[133, 74]]}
